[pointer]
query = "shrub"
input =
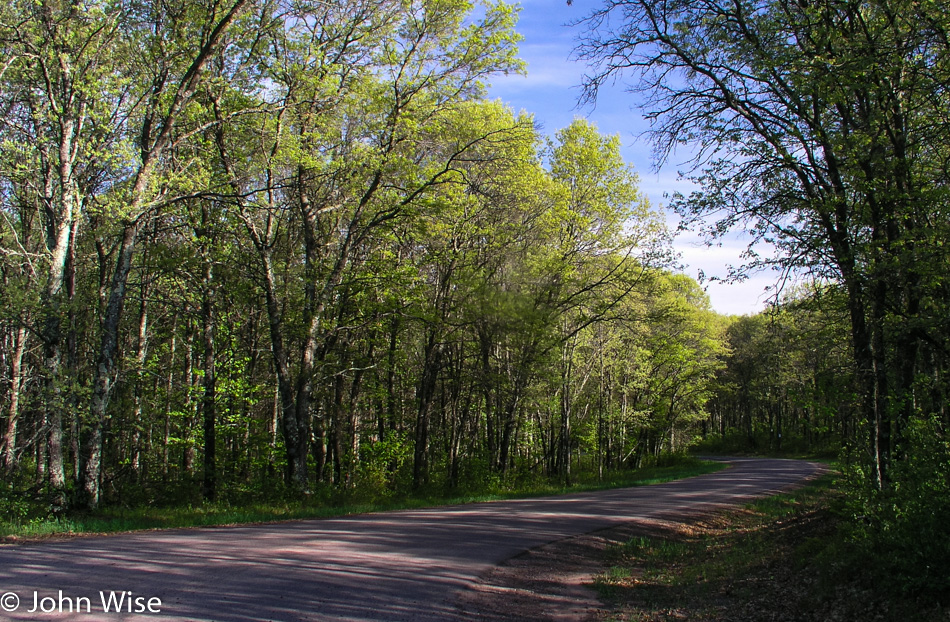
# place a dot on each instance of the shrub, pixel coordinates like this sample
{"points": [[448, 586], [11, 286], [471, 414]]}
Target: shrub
{"points": [[901, 532]]}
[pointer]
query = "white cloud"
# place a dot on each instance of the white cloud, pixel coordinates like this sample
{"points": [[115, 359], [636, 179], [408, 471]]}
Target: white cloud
{"points": [[745, 298], [513, 85], [550, 92]]}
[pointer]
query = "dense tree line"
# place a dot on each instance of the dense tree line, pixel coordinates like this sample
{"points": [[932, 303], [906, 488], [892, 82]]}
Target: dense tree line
{"points": [[822, 130], [272, 243], [788, 383]]}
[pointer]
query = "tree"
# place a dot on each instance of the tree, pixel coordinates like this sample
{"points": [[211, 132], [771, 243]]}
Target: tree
{"points": [[59, 89], [607, 238], [820, 127], [270, 247], [788, 375], [349, 154], [156, 129]]}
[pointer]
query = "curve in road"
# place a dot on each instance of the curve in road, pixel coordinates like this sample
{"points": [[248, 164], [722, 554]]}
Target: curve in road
{"points": [[405, 565]]}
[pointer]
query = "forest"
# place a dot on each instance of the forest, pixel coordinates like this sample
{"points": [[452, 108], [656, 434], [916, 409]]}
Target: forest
{"points": [[276, 247]]}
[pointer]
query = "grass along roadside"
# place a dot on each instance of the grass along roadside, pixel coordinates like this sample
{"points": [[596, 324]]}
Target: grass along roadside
{"points": [[782, 558], [112, 520]]}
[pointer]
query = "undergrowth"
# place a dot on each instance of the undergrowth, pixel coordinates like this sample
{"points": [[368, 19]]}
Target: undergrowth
{"points": [[21, 519], [791, 557]]}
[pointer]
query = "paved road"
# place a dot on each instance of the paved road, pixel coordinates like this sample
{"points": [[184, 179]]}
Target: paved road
{"points": [[406, 565]]}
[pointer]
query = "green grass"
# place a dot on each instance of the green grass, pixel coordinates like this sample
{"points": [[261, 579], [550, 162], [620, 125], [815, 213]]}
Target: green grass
{"points": [[786, 557], [657, 549], [110, 520], [747, 563]]}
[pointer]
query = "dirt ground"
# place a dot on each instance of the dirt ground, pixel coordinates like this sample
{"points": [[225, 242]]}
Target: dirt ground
{"points": [[553, 582]]}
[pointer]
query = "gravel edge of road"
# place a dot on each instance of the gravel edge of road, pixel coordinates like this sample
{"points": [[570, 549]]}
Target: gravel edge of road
{"points": [[554, 582]]}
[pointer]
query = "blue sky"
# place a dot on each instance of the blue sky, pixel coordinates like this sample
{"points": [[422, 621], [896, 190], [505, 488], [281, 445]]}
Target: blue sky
{"points": [[550, 92]]}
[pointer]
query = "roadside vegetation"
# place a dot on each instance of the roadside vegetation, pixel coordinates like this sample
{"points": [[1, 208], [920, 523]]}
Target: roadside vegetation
{"points": [[22, 520], [786, 558]]}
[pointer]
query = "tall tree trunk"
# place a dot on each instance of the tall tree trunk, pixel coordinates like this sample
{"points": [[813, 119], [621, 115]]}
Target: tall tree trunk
{"points": [[141, 352], [352, 430], [320, 444], [488, 386], [60, 230], [424, 394], [883, 423], [59, 241], [105, 370], [169, 387], [392, 402], [295, 473], [72, 352], [186, 427], [209, 481], [8, 452], [564, 436]]}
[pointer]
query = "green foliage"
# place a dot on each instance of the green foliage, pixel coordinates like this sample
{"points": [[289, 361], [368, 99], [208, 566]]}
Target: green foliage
{"points": [[901, 532], [788, 384], [14, 507], [383, 470], [281, 503], [817, 132], [314, 262]]}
